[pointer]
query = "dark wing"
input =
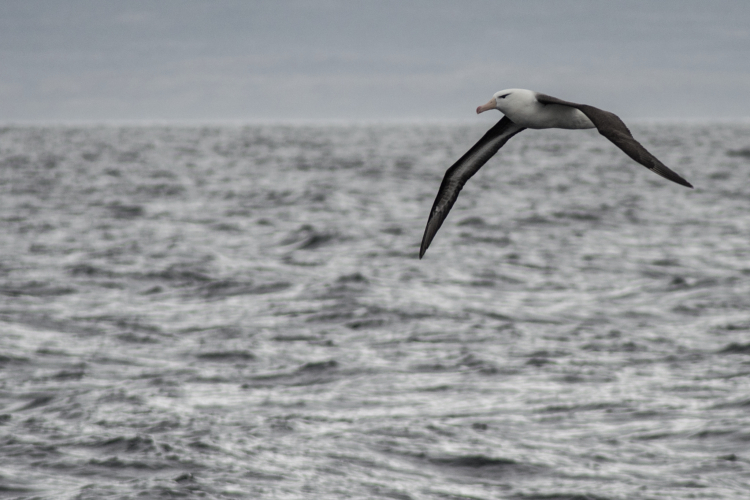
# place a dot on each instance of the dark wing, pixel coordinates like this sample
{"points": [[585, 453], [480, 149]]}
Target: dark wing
{"points": [[610, 126], [461, 171]]}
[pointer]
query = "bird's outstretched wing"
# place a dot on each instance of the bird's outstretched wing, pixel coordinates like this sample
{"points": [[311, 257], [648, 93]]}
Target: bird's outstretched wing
{"points": [[611, 126], [461, 171]]}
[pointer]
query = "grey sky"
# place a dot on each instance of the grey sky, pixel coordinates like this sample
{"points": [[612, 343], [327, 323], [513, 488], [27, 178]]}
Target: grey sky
{"points": [[69, 60]]}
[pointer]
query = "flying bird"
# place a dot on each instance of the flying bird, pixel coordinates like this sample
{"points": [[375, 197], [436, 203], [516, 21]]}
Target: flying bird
{"points": [[528, 109]]}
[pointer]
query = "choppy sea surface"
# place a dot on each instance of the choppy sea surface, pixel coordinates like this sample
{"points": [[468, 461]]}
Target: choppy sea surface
{"points": [[239, 312]]}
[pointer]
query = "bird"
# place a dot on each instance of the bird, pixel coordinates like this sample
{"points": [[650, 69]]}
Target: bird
{"points": [[524, 109]]}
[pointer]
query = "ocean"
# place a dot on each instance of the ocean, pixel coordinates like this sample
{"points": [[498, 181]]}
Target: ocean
{"points": [[240, 312]]}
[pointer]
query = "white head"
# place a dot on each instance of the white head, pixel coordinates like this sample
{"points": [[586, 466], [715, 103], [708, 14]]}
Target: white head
{"points": [[507, 98]]}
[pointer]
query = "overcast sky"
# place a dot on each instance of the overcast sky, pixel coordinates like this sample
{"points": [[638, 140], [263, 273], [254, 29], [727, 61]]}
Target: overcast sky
{"points": [[102, 60]]}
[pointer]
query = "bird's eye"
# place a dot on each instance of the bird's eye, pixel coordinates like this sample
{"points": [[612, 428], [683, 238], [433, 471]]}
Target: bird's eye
{"points": [[503, 96]]}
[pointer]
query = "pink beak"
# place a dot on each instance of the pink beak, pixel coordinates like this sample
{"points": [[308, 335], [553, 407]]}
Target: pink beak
{"points": [[492, 104]]}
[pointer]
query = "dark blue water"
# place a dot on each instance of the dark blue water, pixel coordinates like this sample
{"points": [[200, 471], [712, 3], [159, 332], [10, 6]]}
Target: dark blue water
{"points": [[239, 312]]}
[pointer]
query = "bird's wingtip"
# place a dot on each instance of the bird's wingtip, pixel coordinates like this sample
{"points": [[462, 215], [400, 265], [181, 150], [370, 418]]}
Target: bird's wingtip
{"points": [[426, 240]]}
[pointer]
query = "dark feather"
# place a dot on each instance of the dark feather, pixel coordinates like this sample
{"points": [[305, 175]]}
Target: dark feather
{"points": [[611, 126], [461, 171]]}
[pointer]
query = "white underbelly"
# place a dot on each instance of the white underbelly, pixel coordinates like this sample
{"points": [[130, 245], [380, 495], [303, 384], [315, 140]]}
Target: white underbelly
{"points": [[550, 116]]}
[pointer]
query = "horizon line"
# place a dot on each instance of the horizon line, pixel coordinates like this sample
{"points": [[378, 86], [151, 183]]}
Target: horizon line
{"points": [[239, 122]]}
